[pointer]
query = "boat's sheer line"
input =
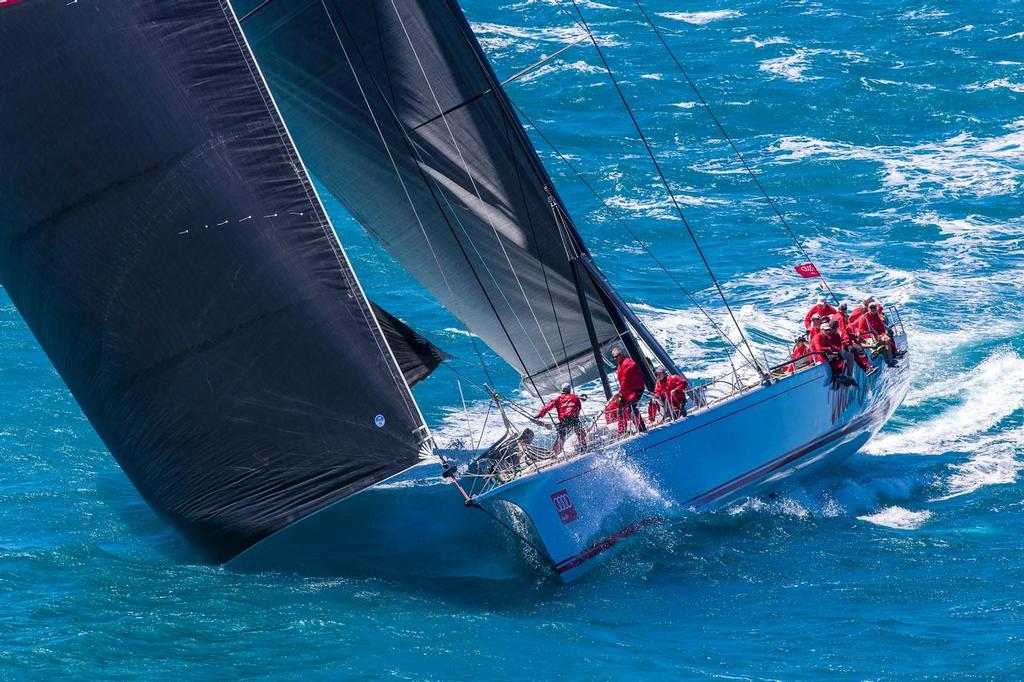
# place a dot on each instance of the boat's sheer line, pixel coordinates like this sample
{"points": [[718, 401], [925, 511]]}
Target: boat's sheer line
{"points": [[735, 149], [665, 183], [431, 185], [476, 190], [621, 221]]}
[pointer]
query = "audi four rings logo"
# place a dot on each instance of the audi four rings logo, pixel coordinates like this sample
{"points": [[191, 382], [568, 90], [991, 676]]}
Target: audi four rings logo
{"points": [[564, 506]]}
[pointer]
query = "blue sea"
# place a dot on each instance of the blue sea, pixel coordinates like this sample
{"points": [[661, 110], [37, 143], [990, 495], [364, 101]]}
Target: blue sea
{"points": [[892, 136]]}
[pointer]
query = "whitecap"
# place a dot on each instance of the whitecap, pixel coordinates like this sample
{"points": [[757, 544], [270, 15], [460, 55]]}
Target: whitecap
{"points": [[898, 518], [989, 393], [996, 461], [762, 42], [997, 83], [968, 27], [962, 164], [792, 67], [701, 18], [559, 66]]}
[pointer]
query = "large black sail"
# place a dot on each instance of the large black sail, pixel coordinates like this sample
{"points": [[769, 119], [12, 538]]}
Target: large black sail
{"points": [[160, 236], [397, 112]]}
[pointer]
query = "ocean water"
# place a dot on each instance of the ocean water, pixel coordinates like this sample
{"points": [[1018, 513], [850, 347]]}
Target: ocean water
{"points": [[892, 136]]}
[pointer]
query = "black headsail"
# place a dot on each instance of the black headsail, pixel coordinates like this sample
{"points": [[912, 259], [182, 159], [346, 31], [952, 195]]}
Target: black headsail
{"points": [[161, 238], [397, 111]]}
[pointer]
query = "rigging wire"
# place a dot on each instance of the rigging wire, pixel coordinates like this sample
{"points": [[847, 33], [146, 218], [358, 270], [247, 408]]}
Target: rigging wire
{"points": [[621, 221], [665, 183], [476, 190], [412, 149], [735, 149]]}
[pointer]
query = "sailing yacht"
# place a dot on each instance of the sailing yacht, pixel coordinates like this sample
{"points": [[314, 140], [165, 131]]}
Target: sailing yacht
{"points": [[168, 248]]}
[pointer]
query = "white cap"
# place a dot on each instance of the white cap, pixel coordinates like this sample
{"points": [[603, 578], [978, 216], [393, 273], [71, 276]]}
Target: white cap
{"points": [[566, 388], [816, 316], [821, 299], [826, 326]]}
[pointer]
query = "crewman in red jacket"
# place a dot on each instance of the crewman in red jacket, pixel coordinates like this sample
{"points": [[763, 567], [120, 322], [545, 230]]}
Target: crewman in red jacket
{"points": [[863, 308], [830, 346], [568, 407], [841, 317], [815, 327], [871, 324], [670, 391], [631, 389], [801, 354], [821, 308]]}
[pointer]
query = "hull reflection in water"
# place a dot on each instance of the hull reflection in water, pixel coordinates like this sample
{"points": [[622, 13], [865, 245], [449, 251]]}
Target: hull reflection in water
{"points": [[764, 441]]}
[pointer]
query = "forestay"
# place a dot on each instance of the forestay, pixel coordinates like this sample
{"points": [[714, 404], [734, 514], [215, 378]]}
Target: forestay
{"points": [[166, 247], [398, 113]]}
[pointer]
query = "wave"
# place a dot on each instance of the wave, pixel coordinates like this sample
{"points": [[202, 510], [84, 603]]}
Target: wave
{"points": [[989, 393], [997, 83], [560, 66], [996, 461], [951, 168], [701, 18], [898, 518], [792, 67], [762, 42]]}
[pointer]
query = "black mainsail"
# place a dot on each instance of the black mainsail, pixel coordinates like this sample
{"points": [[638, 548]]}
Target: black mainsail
{"points": [[163, 242], [398, 113]]}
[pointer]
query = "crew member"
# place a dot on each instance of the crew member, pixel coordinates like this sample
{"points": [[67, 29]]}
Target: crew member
{"points": [[568, 407], [821, 308], [800, 356], [853, 350], [670, 391], [841, 318], [872, 324], [860, 310], [815, 328], [631, 389], [830, 347]]}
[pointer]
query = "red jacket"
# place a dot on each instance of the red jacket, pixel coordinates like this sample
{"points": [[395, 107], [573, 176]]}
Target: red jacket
{"points": [[871, 323], [841, 322], [631, 379], [823, 309], [800, 350], [672, 387], [827, 343], [567, 404]]}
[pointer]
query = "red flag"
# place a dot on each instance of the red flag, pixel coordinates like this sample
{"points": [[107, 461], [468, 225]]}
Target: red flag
{"points": [[807, 270]]}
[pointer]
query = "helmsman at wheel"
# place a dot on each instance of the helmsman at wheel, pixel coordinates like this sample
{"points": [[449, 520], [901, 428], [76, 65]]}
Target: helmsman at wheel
{"points": [[568, 408]]}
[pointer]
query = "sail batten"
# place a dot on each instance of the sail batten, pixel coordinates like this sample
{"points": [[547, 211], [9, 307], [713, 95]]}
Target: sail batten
{"points": [[447, 182], [168, 250]]}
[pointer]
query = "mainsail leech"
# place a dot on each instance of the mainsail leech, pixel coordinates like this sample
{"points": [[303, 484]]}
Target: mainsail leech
{"points": [[163, 242]]}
